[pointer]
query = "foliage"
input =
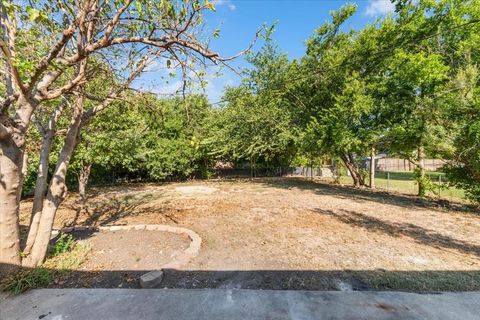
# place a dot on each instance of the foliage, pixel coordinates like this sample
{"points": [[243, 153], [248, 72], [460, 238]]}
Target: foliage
{"points": [[406, 85], [464, 171], [155, 138], [257, 124], [392, 84], [63, 244], [24, 280], [67, 258]]}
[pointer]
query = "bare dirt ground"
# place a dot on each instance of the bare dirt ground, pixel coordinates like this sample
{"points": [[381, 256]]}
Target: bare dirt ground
{"points": [[285, 233], [133, 250], [119, 258]]}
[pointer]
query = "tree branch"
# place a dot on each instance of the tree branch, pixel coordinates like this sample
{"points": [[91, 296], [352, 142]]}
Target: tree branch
{"points": [[115, 93], [57, 48], [5, 132], [8, 57]]}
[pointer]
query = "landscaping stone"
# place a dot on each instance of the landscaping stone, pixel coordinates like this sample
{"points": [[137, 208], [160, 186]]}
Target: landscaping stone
{"points": [[116, 228], [151, 279]]}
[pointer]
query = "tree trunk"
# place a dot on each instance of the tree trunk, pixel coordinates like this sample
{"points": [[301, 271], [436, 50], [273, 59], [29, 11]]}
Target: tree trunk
{"points": [[421, 171], [42, 175], [372, 168], [11, 163], [12, 170], [311, 168], [83, 181], [57, 190], [349, 162]]}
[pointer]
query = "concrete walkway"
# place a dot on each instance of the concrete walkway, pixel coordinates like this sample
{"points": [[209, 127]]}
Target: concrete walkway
{"points": [[215, 304]]}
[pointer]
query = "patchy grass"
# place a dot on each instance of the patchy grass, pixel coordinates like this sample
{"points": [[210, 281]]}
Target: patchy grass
{"points": [[63, 244], [404, 182], [24, 280], [54, 268], [69, 260], [423, 281]]}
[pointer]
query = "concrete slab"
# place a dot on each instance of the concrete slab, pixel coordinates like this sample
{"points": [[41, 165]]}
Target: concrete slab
{"points": [[215, 304]]}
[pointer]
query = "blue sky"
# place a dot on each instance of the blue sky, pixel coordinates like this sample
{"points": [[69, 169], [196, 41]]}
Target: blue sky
{"points": [[238, 21]]}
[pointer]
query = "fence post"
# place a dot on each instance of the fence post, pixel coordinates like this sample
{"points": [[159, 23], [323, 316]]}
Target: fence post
{"points": [[439, 184], [388, 180]]}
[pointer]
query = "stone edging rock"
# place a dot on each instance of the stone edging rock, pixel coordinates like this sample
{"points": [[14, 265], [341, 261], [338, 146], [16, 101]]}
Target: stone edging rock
{"points": [[191, 252]]}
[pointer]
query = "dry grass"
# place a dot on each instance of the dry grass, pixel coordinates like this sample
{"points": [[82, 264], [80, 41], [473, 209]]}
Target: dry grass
{"points": [[300, 234]]}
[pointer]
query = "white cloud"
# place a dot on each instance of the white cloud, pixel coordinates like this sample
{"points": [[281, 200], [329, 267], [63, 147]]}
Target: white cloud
{"points": [[215, 87], [228, 3], [379, 7], [160, 64], [215, 79], [168, 89]]}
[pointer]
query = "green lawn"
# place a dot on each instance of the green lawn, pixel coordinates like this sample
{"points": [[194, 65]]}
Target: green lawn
{"points": [[405, 182]]}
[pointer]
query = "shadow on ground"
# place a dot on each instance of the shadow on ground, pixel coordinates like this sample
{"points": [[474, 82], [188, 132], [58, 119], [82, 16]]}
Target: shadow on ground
{"points": [[358, 194], [346, 280], [113, 208], [396, 229]]}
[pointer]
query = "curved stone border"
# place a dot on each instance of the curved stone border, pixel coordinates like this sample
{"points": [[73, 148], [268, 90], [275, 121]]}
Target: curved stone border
{"points": [[191, 252]]}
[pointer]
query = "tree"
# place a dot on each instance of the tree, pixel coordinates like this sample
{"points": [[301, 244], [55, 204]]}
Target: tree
{"points": [[398, 69], [414, 81], [254, 129], [464, 170], [437, 38], [256, 124], [341, 129], [110, 140], [171, 146], [459, 46], [342, 105], [73, 33]]}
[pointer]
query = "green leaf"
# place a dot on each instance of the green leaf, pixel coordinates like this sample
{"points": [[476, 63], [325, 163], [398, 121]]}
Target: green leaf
{"points": [[139, 8], [210, 6], [9, 7], [33, 14]]}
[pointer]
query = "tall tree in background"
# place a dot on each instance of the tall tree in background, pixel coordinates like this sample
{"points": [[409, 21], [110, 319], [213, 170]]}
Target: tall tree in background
{"points": [[414, 81], [256, 124], [432, 41], [460, 47], [341, 99]]}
